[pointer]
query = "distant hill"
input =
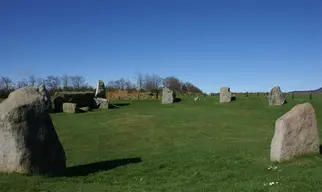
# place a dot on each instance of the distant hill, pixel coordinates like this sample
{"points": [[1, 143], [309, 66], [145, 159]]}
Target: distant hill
{"points": [[313, 91]]}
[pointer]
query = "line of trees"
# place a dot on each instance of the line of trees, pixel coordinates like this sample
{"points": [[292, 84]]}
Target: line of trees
{"points": [[53, 83], [142, 83], [153, 84]]}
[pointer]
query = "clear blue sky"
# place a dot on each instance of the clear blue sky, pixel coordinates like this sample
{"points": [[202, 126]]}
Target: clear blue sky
{"points": [[249, 45]]}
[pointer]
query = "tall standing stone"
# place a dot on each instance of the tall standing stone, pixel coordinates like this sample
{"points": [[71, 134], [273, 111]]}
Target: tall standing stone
{"points": [[43, 91], [296, 134], [100, 90], [28, 140], [225, 95], [276, 96], [168, 96]]}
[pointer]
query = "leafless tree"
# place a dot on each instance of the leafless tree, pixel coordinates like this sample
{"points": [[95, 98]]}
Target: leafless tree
{"points": [[120, 84], [139, 83], [65, 81], [32, 80], [172, 83], [129, 85], [111, 84], [6, 83], [52, 82], [189, 87], [22, 83], [39, 81], [152, 83], [157, 80], [78, 81]]}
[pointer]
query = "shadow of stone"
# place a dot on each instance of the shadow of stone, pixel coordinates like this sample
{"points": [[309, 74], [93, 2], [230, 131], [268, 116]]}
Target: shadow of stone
{"points": [[112, 106], [121, 104], [117, 105], [176, 100], [83, 170], [78, 110]]}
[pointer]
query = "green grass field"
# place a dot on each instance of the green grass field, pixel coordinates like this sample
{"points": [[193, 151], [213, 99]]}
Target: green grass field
{"points": [[186, 146]]}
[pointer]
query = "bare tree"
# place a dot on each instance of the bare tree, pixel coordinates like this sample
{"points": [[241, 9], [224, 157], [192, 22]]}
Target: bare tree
{"points": [[111, 85], [172, 83], [157, 80], [22, 83], [129, 85], [65, 81], [147, 83], [78, 81], [139, 83], [152, 83], [39, 81], [52, 82], [189, 87], [32, 80], [6, 83], [120, 84]]}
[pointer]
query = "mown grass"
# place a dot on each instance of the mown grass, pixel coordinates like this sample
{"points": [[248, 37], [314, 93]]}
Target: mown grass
{"points": [[186, 146]]}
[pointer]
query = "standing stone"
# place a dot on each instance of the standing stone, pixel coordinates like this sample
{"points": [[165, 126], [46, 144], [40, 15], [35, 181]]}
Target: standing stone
{"points": [[100, 90], [276, 97], [196, 98], [225, 95], [295, 134], [28, 140], [168, 96], [43, 91], [69, 107]]}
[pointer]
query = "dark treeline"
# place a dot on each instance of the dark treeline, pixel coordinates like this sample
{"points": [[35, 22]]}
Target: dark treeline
{"points": [[142, 83]]}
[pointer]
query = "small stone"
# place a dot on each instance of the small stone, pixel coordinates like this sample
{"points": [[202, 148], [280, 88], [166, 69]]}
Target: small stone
{"points": [[69, 108]]}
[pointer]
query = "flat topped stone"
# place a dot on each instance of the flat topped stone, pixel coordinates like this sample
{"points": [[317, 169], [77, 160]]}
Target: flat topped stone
{"points": [[296, 134], [69, 107]]}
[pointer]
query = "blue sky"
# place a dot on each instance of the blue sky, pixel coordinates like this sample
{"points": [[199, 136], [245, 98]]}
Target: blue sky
{"points": [[249, 45]]}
